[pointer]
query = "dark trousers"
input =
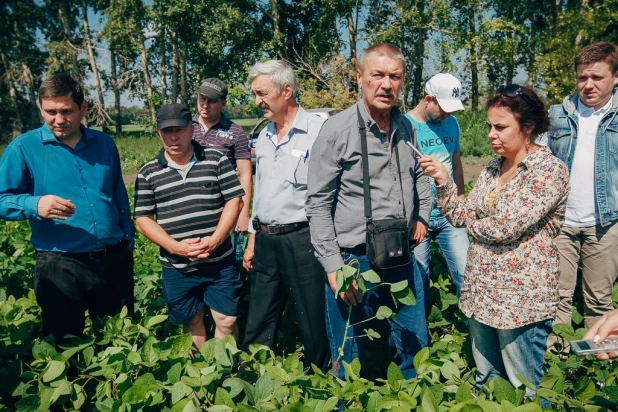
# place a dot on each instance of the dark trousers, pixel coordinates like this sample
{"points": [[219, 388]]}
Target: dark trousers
{"points": [[285, 266], [66, 287]]}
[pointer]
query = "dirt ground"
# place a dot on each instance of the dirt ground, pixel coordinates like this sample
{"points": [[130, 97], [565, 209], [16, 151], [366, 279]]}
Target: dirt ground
{"points": [[472, 168]]}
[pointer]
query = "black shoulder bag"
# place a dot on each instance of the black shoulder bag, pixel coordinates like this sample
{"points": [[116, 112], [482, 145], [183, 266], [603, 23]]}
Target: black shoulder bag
{"points": [[387, 239]]}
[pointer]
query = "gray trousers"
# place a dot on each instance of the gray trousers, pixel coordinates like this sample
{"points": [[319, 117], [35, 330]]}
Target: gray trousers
{"points": [[597, 249]]}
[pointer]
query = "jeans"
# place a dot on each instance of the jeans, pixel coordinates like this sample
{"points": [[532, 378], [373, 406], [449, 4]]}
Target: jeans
{"points": [[453, 242], [509, 352], [408, 330]]}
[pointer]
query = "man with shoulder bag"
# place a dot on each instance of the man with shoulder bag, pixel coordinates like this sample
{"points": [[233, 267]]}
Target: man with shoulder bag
{"points": [[368, 204]]}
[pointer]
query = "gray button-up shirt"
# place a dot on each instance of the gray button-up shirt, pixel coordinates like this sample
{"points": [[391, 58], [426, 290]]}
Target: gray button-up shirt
{"points": [[281, 170], [335, 205]]}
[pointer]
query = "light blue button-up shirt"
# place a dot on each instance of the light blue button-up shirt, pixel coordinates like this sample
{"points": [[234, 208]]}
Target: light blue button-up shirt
{"points": [[281, 170], [36, 164]]}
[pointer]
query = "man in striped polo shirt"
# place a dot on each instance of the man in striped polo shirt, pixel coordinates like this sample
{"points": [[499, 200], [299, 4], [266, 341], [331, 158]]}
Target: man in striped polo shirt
{"points": [[196, 197]]}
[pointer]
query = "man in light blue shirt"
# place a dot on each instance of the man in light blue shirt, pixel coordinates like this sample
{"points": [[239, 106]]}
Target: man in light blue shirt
{"points": [[438, 135], [279, 251], [67, 181]]}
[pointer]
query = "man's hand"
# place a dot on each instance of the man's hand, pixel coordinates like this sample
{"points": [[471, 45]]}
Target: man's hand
{"points": [[188, 248], [207, 246], [419, 231], [54, 207], [242, 225], [351, 296], [247, 257], [434, 169]]}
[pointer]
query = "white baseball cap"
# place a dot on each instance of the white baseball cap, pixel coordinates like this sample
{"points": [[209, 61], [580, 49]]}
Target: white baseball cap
{"points": [[446, 88]]}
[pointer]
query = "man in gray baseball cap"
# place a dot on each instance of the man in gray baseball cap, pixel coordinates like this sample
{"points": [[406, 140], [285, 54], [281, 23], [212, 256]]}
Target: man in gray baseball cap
{"points": [[213, 130]]}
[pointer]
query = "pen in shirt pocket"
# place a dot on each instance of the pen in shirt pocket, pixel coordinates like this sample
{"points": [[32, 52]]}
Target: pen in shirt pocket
{"points": [[306, 156]]}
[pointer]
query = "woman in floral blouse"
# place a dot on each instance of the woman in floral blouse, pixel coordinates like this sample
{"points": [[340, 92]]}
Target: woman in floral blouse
{"points": [[510, 290]]}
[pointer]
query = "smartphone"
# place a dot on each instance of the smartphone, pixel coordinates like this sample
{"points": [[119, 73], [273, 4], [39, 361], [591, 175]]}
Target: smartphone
{"points": [[588, 347], [418, 152]]}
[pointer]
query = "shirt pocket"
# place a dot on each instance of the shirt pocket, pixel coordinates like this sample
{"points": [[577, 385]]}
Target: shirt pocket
{"points": [[612, 138], [297, 167], [559, 142]]}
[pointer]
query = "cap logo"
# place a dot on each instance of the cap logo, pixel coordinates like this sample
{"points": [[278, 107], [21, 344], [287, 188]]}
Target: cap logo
{"points": [[455, 92], [214, 86]]}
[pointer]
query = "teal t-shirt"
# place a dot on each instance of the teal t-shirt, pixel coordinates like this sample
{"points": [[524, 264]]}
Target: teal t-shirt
{"points": [[440, 140]]}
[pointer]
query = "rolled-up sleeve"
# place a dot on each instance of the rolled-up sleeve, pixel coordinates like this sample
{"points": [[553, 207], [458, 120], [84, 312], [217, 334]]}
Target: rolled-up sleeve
{"points": [[323, 179]]}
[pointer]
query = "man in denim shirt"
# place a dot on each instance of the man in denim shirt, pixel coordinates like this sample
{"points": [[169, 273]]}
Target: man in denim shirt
{"points": [[584, 135], [66, 180]]}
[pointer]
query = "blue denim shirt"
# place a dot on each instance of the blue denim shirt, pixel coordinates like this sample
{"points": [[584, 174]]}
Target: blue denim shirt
{"points": [[563, 139], [36, 164]]}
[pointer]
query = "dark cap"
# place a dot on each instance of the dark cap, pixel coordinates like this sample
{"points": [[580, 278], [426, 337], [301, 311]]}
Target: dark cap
{"points": [[213, 88], [173, 115]]}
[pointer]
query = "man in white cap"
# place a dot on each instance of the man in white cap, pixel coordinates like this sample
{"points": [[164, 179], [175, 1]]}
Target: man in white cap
{"points": [[438, 135]]}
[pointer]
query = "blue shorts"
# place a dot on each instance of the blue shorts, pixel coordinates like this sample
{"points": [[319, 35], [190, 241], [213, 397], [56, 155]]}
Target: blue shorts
{"points": [[217, 286]]}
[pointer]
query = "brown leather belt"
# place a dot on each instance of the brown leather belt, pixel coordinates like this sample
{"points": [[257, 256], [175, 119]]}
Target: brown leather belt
{"points": [[283, 229]]}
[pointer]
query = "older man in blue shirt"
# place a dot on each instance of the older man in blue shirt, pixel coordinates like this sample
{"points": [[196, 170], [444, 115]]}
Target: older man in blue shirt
{"points": [[67, 181]]}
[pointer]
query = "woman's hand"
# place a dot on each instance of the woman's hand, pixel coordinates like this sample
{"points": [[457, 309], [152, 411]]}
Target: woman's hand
{"points": [[434, 169]]}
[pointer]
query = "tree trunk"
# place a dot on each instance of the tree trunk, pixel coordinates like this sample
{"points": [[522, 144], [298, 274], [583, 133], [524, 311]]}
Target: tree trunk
{"points": [[145, 65], [163, 65], [510, 63], [116, 89], [277, 35], [580, 34], [63, 14], [474, 68], [184, 92], [352, 35], [18, 126], [35, 117], [93, 62], [175, 66]]}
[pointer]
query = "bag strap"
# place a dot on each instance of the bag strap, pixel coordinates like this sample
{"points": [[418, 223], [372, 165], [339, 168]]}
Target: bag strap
{"points": [[366, 189], [365, 159]]}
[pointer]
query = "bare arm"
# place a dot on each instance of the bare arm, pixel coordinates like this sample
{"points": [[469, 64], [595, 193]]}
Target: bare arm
{"points": [[245, 174]]}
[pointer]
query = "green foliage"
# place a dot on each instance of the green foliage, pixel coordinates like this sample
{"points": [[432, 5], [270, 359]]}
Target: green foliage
{"points": [[142, 362]]}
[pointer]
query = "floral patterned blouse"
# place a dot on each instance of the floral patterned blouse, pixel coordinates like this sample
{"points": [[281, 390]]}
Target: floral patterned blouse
{"points": [[511, 278]]}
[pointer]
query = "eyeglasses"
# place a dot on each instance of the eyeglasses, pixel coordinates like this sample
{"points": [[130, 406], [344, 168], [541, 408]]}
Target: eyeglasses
{"points": [[512, 90]]}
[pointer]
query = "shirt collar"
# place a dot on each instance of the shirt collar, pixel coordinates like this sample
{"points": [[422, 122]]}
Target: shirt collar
{"points": [[587, 111], [198, 154], [223, 121], [369, 122], [49, 137], [301, 122], [528, 162]]}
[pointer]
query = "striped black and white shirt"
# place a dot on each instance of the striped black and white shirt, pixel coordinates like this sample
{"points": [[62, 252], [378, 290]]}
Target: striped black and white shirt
{"points": [[188, 206]]}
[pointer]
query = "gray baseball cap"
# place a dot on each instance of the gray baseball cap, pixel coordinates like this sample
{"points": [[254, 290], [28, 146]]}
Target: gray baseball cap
{"points": [[213, 88]]}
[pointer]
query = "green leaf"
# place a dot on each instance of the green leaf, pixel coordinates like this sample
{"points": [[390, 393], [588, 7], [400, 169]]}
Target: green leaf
{"points": [[263, 388], [222, 397], [529, 407], [155, 320], [347, 271], [220, 408], [399, 286], [185, 405], [449, 370], [405, 296], [435, 315], [503, 390], [181, 346], [489, 406], [221, 354], [277, 373], [371, 277], [372, 334], [330, 404], [563, 330], [173, 374], [61, 390], [234, 386], [43, 350], [141, 389], [179, 391], [429, 402], [584, 389], [464, 393], [393, 373], [420, 358], [28, 403], [384, 312], [54, 370]]}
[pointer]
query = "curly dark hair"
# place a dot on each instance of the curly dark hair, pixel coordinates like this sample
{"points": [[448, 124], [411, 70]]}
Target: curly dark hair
{"points": [[528, 109]]}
